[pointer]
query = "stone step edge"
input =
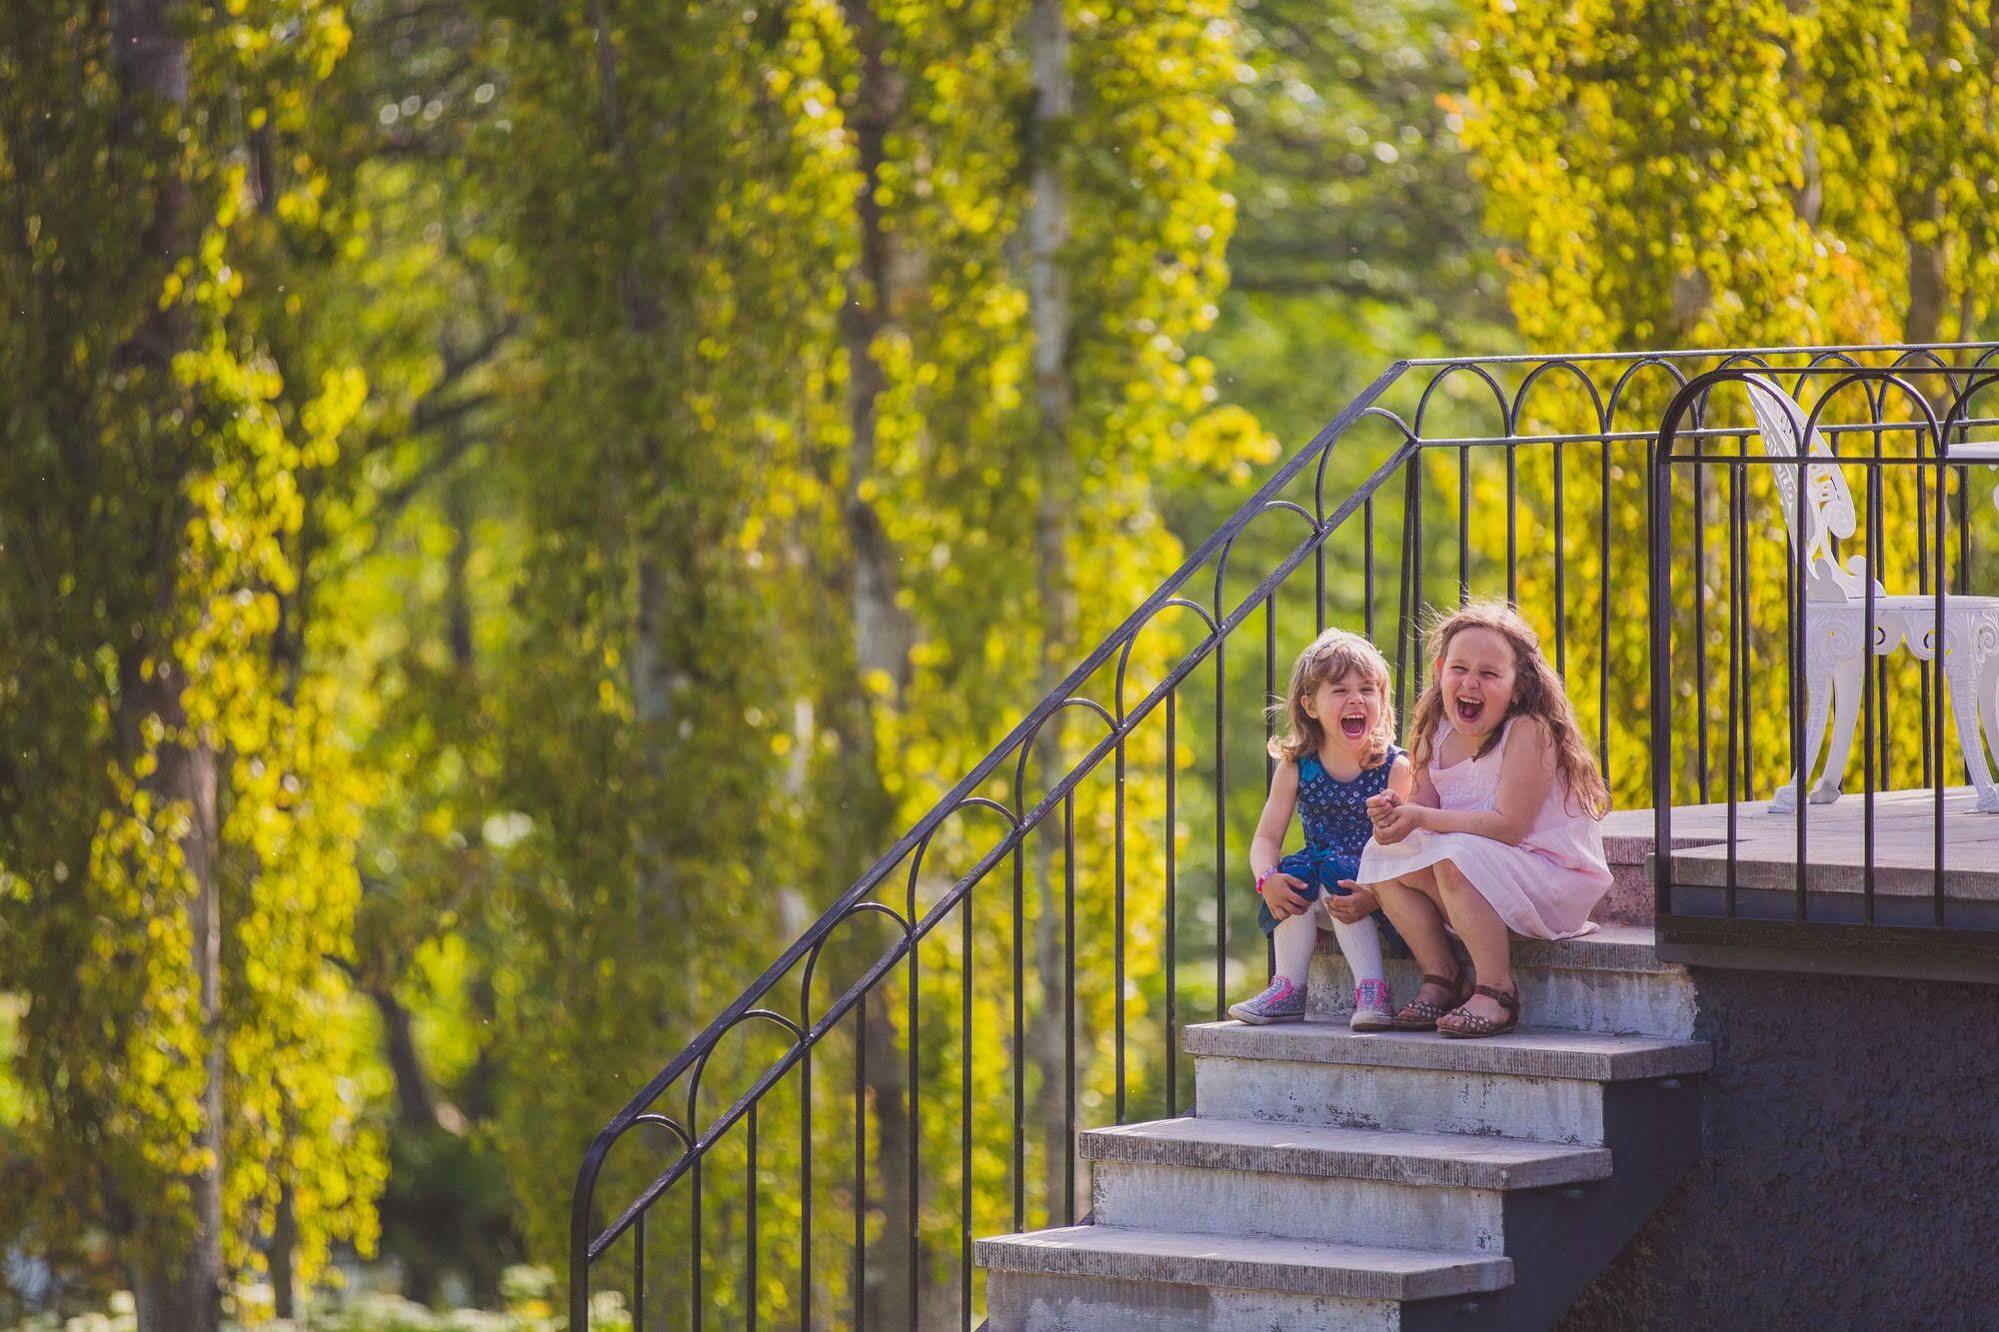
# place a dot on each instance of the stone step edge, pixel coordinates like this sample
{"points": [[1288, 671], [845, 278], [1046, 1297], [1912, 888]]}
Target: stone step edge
{"points": [[1424, 1160], [1631, 835], [1243, 1262], [1629, 948], [1547, 1052]]}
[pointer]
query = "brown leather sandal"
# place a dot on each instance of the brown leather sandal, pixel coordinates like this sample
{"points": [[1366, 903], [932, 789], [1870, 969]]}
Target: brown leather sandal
{"points": [[1421, 1014], [1470, 1026]]}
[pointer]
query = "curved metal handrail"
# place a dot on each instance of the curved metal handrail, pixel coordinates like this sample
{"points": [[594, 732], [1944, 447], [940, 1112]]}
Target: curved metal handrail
{"points": [[1120, 721], [1877, 381], [583, 1246]]}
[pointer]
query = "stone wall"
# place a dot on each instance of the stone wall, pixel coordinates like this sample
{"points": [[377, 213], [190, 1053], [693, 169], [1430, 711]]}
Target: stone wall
{"points": [[1847, 1179]]}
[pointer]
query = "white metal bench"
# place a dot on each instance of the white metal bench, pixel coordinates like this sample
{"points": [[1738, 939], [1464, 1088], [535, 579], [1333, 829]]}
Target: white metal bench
{"points": [[1835, 618]]}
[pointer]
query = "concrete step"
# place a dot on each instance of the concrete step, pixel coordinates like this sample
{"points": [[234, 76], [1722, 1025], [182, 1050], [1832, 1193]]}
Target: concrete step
{"points": [[1120, 1279], [1540, 1085], [1404, 1190], [1344, 1180], [1610, 981], [1446, 1160]]}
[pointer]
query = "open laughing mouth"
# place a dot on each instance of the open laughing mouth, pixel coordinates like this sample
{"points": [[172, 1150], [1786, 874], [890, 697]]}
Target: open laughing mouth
{"points": [[1354, 725], [1470, 709]]}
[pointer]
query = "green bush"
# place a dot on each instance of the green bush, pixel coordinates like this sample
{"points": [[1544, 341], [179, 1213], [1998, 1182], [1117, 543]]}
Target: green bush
{"points": [[529, 1292]]}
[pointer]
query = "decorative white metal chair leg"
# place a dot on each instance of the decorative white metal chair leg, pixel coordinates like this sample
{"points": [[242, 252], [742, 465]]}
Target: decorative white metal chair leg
{"points": [[1818, 693], [1971, 681], [1841, 597], [1988, 703], [1849, 675]]}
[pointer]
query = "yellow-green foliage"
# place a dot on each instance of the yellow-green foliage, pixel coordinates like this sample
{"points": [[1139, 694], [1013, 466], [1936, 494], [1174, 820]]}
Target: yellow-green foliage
{"points": [[152, 511], [1729, 175], [681, 247], [1146, 160], [1709, 174]]}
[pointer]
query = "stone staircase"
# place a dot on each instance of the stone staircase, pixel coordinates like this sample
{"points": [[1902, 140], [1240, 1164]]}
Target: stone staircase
{"points": [[1330, 1180]]}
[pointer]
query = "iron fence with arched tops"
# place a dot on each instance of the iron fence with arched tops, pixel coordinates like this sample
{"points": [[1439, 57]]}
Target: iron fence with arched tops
{"points": [[933, 1090], [1901, 607]]}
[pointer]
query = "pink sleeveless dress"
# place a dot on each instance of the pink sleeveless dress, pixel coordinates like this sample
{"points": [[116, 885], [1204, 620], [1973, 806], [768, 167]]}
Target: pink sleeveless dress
{"points": [[1543, 888]]}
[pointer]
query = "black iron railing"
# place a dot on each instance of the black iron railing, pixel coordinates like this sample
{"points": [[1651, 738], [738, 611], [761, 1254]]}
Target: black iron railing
{"points": [[930, 1090], [1879, 614]]}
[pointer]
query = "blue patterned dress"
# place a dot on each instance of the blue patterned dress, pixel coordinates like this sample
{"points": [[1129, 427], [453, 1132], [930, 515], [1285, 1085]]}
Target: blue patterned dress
{"points": [[1336, 829]]}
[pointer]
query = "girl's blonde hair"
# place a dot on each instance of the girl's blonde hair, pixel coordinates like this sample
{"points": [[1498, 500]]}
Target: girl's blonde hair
{"points": [[1537, 692], [1331, 656]]}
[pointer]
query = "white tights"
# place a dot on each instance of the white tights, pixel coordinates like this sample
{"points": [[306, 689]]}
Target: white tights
{"points": [[1298, 935]]}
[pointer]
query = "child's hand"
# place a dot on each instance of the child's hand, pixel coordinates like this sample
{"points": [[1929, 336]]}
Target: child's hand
{"points": [[1397, 822], [1357, 905], [1379, 805], [1281, 894]]}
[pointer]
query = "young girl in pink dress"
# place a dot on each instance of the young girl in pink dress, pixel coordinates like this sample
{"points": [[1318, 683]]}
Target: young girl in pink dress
{"points": [[1503, 830]]}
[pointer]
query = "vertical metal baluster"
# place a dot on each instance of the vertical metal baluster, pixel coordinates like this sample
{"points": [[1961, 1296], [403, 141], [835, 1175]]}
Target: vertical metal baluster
{"points": [[1700, 627], [1069, 992], [1405, 596], [1269, 724], [1741, 533], [1221, 826], [639, 1274], [1464, 525], [805, 1182], [915, 1075], [1964, 550], [1740, 786], [1117, 935], [1937, 659], [1666, 508], [1603, 618], [694, 1251], [1878, 668], [965, 1116], [1561, 570], [1964, 557], [1319, 587], [750, 1255], [1963, 533], [1019, 1041], [1366, 570], [1172, 920], [1930, 758], [1797, 608], [861, 1163], [1872, 565], [1736, 674], [1512, 520], [1416, 560], [1269, 684], [1659, 619]]}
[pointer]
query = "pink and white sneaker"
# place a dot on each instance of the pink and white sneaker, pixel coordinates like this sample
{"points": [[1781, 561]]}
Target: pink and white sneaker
{"points": [[1281, 1001], [1373, 1009]]}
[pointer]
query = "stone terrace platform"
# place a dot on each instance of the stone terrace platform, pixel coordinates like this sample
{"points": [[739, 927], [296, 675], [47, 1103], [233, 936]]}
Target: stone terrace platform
{"points": [[1766, 858]]}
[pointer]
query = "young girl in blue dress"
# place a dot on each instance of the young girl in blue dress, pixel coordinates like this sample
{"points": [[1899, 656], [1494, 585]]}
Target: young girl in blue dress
{"points": [[1336, 751]]}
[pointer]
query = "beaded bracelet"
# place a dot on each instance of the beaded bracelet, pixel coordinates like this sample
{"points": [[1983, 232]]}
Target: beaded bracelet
{"points": [[1261, 877]]}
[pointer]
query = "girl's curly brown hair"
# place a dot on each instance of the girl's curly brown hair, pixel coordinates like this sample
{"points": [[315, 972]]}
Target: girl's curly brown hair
{"points": [[1537, 692], [1331, 656]]}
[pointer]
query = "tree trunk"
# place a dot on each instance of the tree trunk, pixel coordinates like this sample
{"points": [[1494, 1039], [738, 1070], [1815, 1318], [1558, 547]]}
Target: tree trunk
{"points": [[284, 1239], [654, 594], [1923, 208], [1927, 282], [182, 1292], [416, 1100], [458, 594], [880, 639], [1049, 317], [881, 630], [175, 1291]]}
